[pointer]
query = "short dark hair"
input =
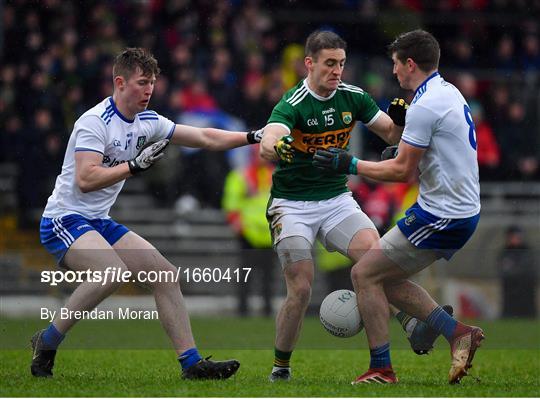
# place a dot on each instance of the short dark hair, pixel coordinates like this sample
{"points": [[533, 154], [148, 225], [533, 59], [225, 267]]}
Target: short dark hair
{"points": [[418, 45], [323, 39], [127, 62]]}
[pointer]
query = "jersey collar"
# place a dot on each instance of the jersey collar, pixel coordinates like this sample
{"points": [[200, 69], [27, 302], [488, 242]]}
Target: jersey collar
{"points": [[320, 98], [424, 83], [118, 112]]}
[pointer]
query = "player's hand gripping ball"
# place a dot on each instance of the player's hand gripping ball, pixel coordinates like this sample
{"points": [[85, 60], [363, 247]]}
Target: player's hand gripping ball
{"points": [[397, 111], [339, 314], [284, 150]]}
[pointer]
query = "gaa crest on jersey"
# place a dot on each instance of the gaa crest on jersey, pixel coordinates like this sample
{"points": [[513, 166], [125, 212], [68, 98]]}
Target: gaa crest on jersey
{"points": [[140, 142], [347, 117], [410, 219]]}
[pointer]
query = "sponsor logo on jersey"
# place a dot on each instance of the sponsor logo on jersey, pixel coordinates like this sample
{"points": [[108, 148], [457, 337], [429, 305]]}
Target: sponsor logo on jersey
{"points": [[347, 117], [110, 163], [328, 111], [140, 142], [312, 122], [309, 143]]}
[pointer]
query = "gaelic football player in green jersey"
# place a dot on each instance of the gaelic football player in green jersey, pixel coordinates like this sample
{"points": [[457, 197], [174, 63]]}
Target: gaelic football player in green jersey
{"points": [[306, 203]]}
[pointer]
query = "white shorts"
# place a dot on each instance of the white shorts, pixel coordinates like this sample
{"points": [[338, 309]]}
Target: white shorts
{"points": [[399, 249], [313, 219]]}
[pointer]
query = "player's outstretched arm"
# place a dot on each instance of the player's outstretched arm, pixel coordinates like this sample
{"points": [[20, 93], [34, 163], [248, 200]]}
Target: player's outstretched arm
{"points": [[386, 129], [213, 139], [402, 168]]}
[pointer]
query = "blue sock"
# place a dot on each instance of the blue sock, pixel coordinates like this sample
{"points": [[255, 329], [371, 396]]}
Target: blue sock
{"points": [[189, 358], [380, 357], [442, 322], [52, 337]]}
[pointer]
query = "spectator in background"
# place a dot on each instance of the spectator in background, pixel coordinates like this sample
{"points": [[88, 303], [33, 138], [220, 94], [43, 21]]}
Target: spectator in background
{"points": [[377, 201], [504, 59], [250, 24], [375, 85], [292, 65], [530, 59], [518, 276], [467, 85], [222, 81], [245, 198], [463, 54], [195, 97], [489, 155], [253, 103], [519, 152]]}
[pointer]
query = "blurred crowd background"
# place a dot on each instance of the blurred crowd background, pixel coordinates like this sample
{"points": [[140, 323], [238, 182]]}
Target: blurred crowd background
{"points": [[225, 64]]}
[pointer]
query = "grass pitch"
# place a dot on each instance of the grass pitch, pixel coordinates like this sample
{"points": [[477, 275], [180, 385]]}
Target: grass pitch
{"points": [[131, 358]]}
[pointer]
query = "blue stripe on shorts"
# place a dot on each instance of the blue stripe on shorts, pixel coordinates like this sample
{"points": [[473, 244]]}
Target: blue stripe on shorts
{"points": [[57, 234], [425, 230]]}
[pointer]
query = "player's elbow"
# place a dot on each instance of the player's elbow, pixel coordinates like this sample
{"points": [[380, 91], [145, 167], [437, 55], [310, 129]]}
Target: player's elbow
{"points": [[214, 142], [84, 184], [404, 174]]}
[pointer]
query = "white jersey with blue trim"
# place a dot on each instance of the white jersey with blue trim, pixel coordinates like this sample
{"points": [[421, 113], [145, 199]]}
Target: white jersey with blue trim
{"points": [[103, 129], [439, 119]]}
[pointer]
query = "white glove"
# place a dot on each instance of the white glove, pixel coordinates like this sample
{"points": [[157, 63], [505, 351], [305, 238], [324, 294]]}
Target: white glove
{"points": [[148, 156], [255, 136]]}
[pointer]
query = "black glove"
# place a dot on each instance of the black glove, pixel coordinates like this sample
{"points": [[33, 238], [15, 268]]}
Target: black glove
{"points": [[389, 152], [255, 136], [147, 156], [335, 159], [283, 148], [397, 111]]}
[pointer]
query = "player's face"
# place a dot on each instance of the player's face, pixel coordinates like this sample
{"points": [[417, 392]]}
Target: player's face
{"points": [[326, 70], [136, 91], [401, 72]]}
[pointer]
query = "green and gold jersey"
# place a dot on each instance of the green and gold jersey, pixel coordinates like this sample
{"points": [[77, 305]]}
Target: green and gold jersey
{"points": [[317, 122]]}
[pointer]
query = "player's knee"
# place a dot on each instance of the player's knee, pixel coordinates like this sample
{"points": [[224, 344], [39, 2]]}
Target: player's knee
{"points": [[360, 275]]}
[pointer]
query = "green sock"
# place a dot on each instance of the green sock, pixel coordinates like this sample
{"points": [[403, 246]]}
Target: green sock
{"points": [[281, 359]]}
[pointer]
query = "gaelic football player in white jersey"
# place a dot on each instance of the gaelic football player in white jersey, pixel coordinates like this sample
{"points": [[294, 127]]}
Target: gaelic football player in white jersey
{"points": [[109, 144], [440, 140]]}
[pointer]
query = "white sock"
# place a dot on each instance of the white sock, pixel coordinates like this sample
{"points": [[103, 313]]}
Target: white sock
{"points": [[410, 326]]}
